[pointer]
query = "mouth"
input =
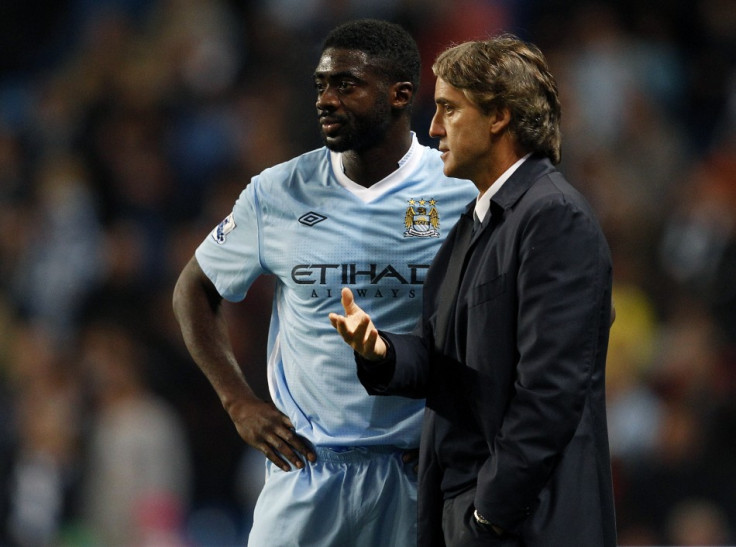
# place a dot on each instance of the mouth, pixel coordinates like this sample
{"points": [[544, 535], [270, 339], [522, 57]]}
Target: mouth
{"points": [[330, 125]]}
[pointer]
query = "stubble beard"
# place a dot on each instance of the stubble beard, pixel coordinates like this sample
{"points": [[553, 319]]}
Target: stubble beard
{"points": [[362, 133]]}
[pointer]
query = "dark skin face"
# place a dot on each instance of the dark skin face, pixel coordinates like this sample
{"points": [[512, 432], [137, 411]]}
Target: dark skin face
{"points": [[362, 114]]}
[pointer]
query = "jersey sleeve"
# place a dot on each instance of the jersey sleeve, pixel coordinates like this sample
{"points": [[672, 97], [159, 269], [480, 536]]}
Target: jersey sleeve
{"points": [[230, 254]]}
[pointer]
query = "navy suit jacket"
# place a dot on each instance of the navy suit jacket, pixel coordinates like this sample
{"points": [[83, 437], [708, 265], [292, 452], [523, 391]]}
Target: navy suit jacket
{"points": [[515, 385]]}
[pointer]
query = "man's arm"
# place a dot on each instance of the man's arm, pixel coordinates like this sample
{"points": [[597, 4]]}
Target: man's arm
{"points": [[376, 355], [357, 329], [198, 309], [563, 313]]}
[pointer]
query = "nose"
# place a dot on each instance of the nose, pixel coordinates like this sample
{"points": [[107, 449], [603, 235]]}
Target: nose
{"points": [[436, 129], [327, 99]]}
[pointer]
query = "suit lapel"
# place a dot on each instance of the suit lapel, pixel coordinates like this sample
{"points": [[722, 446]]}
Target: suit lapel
{"points": [[509, 193], [451, 282]]}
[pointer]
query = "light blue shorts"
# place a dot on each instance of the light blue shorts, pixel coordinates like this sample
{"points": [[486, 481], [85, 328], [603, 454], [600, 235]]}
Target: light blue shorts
{"points": [[356, 497]]}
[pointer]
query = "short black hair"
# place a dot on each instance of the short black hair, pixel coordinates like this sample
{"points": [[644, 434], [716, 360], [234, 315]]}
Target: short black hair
{"points": [[388, 42]]}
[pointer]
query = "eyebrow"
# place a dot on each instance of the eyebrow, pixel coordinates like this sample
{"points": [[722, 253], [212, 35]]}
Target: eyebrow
{"points": [[336, 75]]}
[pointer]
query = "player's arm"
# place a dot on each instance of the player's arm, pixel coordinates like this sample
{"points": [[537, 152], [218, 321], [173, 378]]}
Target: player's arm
{"points": [[198, 309]]}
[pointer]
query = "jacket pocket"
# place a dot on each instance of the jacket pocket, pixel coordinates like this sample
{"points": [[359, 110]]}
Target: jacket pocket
{"points": [[487, 291]]}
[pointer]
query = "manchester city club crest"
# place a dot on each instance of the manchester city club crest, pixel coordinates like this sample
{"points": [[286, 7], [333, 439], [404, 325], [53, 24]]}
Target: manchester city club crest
{"points": [[422, 219]]}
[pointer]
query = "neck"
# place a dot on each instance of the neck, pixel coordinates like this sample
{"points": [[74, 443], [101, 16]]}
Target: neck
{"points": [[501, 158], [367, 167]]}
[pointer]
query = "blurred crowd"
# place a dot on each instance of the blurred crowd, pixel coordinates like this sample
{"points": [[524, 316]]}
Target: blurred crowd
{"points": [[129, 127]]}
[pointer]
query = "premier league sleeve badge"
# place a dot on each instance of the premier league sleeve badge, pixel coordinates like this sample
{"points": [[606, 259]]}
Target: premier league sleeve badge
{"points": [[219, 234]]}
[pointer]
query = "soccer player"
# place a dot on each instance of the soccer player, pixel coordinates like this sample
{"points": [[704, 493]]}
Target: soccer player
{"points": [[368, 211]]}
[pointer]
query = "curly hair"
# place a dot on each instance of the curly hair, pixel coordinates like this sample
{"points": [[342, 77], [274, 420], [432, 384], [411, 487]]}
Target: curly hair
{"points": [[506, 72], [388, 43]]}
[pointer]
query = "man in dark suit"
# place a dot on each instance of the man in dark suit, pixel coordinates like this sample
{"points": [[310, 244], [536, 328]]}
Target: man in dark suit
{"points": [[511, 349]]}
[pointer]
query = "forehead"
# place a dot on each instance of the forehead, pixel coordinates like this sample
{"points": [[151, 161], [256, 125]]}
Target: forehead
{"points": [[446, 92], [339, 61]]}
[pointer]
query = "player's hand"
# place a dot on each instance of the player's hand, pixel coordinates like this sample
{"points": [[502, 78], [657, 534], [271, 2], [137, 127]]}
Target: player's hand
{"points": [[357, 329], [411, 456], [265, 428]]}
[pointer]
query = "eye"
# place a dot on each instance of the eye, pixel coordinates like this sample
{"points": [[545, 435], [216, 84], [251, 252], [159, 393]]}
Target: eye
{"points": [[345, 85], [444, 110]]}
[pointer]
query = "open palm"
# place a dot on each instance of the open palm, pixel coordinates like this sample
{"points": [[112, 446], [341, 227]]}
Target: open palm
{"points": [[357, 329]]}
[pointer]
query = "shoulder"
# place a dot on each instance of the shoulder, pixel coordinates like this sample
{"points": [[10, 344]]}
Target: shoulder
{"points": [[554, 208], [539, 188], [554, 190], [304, 166], [291, 177], [535, 183]]}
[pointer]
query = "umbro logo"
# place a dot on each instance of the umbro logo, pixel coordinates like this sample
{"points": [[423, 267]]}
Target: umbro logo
{"points": [[311, 218]]}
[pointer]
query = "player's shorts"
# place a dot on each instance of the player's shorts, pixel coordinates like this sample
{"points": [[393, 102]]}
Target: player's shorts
{"points": [[356, 497]]}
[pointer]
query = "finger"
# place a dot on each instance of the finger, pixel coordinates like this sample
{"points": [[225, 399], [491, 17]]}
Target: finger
{"points": [[353, 333], [287, 422], [371, 341], [411, 456], [294, 449], [342, 329], [360, 331], [298, 447], [298, 442], [280, 445], [335, 319], [366, 337], [347, 299], [274, 457]]}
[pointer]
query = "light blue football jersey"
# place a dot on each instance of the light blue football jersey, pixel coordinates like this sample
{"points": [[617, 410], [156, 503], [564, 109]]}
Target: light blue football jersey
{"points": [[316, 231]]}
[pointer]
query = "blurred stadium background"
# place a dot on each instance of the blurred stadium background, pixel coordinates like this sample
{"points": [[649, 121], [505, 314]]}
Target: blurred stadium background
{"points": [[127, 129]]}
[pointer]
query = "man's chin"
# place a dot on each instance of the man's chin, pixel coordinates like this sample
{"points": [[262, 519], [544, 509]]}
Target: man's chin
{"points": [[447, 170], [336, 144]]}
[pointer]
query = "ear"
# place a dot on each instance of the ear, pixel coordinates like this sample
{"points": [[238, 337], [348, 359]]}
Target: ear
{"points": [[401, 94], [499, 120]]}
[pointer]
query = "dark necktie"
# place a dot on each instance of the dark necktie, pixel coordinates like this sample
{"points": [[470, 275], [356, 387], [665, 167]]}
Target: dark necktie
{"points": [[476, 223], [451, 282]]}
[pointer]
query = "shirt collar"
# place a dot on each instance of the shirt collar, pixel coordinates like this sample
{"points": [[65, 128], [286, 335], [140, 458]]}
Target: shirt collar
{"points": [[483, 203]]}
